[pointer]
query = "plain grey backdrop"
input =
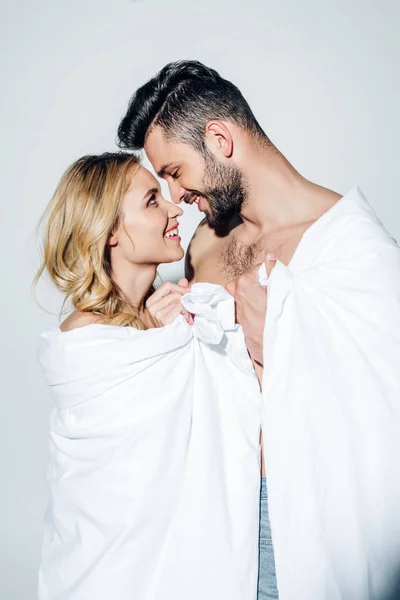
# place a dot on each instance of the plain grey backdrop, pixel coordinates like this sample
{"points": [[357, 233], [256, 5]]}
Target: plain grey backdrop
{"points": [[322, 78]]}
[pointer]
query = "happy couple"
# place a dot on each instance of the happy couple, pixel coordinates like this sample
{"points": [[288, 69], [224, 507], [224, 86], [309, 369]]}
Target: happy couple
{"points": [[155, 438]]}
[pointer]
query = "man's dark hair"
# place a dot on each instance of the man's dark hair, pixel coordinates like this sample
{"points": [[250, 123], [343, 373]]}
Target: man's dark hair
{"points": [[182, 98]]}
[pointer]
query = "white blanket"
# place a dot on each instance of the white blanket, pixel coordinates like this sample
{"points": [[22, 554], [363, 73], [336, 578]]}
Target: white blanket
{"points": [[154, 472], [331, 417]]}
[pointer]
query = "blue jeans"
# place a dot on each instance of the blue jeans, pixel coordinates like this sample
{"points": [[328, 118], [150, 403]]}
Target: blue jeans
{"points": [[267, 588]]}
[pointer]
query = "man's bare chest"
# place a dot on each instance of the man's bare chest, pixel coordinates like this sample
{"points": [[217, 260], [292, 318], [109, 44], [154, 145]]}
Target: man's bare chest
{"points": [[218, 260], [237, 256]]}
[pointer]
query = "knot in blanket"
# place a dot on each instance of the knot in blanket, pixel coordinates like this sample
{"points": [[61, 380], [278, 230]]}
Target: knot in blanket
{"points": [[214, 311]]}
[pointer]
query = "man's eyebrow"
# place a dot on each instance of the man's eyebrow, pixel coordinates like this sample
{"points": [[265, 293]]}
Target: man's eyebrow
{"points": [[161, 172], [151, 191]]}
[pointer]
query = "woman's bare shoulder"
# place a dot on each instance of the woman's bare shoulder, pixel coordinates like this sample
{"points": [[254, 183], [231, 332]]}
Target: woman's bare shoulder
{"points": [[79, 319]]}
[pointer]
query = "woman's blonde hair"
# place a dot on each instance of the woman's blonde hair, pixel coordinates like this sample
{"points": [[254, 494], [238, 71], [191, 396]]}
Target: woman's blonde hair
{"points": [[84, 211]]}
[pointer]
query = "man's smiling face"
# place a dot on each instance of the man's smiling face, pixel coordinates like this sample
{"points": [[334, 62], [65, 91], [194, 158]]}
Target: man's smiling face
{"points": [[179, 164], [217, 188]]}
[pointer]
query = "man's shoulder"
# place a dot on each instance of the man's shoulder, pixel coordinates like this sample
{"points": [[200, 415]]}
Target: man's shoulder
{"points": [[352, 223], [205, 249], [200, 241], [220, 234], [203, 230], [203, 239]]}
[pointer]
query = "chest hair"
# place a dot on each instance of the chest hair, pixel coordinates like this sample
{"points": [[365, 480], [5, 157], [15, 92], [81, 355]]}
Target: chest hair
{"points": [[236, 257]]}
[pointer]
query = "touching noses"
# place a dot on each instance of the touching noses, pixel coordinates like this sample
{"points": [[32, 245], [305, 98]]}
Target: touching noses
{"points": [[176, 191], [174, 211]]}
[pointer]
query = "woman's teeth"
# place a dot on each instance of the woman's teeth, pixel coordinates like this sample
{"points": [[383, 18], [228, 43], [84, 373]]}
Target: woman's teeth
{"points": [[172, 233]]}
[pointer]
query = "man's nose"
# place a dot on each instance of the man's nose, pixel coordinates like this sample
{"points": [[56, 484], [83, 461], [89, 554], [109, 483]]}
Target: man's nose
{"points": [[177, 192]]}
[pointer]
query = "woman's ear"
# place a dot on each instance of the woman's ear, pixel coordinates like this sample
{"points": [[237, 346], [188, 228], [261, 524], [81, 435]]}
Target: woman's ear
{"points": [[112, 240]]}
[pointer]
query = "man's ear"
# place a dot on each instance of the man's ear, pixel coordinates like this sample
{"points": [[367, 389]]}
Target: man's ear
{"points": [[219, 138]]}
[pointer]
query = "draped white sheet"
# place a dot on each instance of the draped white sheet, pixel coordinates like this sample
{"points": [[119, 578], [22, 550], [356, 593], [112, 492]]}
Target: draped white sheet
{"points": [[331, 414], [154, 472]]}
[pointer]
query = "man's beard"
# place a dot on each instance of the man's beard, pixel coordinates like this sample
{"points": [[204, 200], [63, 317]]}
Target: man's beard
{"points": [[225, 190]]}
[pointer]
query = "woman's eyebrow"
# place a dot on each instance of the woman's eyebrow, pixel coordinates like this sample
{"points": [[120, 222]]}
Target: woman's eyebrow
{"points": [[151, 191]]}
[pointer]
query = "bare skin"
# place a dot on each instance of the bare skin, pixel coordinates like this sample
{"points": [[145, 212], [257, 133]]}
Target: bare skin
{"points": [[217, 259], [78, 319]]}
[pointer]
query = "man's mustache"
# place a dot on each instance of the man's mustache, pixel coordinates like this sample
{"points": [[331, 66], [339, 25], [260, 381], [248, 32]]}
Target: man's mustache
{"points": [[190, 195]]}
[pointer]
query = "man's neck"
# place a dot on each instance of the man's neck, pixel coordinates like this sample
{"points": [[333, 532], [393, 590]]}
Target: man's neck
{"points": [[278, 196]]}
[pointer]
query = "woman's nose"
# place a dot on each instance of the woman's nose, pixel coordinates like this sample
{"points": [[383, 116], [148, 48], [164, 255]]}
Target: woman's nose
{"points": [[174, 211]]}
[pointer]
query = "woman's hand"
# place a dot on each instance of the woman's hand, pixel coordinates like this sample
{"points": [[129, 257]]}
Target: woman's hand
{"points": [[165, 304]]}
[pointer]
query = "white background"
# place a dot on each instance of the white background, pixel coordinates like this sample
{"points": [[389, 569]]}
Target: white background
{"points": [[322, 78]]}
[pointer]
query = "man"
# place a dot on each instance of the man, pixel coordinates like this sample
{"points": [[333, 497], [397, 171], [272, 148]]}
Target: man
{"points": [[336, 269]]}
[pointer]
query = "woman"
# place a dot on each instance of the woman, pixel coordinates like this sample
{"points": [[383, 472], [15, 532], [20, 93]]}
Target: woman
{"points": [[89, 251], [154, 471]]}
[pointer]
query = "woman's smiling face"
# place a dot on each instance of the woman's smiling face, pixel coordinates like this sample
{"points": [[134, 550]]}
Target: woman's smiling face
{"points": [[148, 229]]}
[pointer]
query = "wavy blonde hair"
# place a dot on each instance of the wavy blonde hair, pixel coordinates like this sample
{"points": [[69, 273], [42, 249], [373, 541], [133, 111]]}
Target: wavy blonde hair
{"points": [[84, 211]]}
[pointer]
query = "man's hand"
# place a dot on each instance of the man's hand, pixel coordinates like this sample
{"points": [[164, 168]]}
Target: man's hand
{"points": [[251, 304]]}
